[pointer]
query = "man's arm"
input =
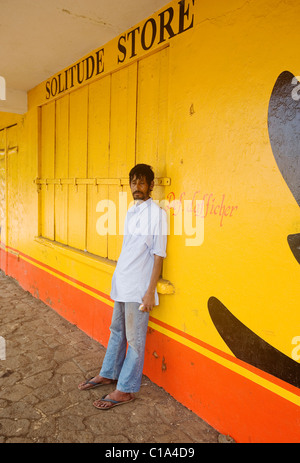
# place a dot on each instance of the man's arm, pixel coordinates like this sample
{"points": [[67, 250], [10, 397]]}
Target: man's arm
{"points": [[149, 298]]}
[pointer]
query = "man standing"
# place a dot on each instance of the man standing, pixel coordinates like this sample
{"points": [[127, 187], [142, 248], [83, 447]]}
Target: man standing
{"points": [[134, 292]]}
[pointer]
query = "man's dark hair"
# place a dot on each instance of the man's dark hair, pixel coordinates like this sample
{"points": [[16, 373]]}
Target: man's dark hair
{"points": [[142, 170]]}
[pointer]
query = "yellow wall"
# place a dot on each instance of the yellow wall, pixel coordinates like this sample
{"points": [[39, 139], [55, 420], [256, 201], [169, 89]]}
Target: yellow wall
{"points": [[195, 107]]}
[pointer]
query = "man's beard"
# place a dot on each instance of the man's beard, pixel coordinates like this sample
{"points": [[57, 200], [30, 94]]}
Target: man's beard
{"points": [[139, 196]]}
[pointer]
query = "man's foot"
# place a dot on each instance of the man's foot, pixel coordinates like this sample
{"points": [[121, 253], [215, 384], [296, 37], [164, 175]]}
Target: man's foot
{"points": [[94, 382], [113, 399]]}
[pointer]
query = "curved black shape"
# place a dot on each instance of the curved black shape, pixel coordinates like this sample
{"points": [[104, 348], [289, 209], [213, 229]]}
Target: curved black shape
{"points": [[250, 348], [294, 243], [284, 129]]}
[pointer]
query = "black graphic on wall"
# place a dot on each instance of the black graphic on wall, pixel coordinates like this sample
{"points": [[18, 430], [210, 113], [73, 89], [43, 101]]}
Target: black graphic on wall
{"points": [[284, 129], [294, 243], [250, 348], [284, 133]]}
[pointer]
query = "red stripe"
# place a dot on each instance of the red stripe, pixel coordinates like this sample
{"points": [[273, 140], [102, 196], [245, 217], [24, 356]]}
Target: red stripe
{"points": [[231, 403], [58, 272], [174, 330], [247, 366]]}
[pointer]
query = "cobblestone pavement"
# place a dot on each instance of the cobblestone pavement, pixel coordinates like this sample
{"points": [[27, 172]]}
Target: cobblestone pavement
{"points": [[46, 358]]}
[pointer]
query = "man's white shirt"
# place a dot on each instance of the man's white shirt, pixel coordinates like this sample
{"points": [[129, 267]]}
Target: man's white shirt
{"points": [[145, 235]]}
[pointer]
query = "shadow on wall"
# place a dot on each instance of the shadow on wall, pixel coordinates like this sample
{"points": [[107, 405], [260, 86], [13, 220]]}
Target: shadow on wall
{"points": [[284, 133]]}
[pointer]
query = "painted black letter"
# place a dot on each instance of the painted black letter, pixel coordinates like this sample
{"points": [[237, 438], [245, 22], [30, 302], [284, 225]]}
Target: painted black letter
{"points": [[60, 89], [133, 53], [78, 72], [89, 72], [122, 49], [166, 26], [100, 63], [154, 29], [48, 90], [53, 88], [182, 13]]}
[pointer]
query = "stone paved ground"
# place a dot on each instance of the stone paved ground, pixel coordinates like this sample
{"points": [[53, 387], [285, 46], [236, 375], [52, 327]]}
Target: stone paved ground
{"points": [[46, 357]]}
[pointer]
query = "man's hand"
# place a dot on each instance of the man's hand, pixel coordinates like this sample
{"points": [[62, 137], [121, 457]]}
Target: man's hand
{"points": [[148, 301]]}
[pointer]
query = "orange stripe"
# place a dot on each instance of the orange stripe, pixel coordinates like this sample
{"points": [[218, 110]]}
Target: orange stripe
{"points": [[262, 374], [58, 272], [231, 358], [228, 401]]}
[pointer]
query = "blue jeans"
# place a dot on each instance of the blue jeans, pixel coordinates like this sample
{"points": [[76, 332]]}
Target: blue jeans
{"points": [[128, 325]]}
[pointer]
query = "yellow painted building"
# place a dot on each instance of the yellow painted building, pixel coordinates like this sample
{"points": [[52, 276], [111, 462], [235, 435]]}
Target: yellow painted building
{"points": [[207, 93]]}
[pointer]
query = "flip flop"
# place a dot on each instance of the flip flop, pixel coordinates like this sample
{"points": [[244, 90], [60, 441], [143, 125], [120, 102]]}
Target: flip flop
{"points": [[93, 385], [114, 403]]}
